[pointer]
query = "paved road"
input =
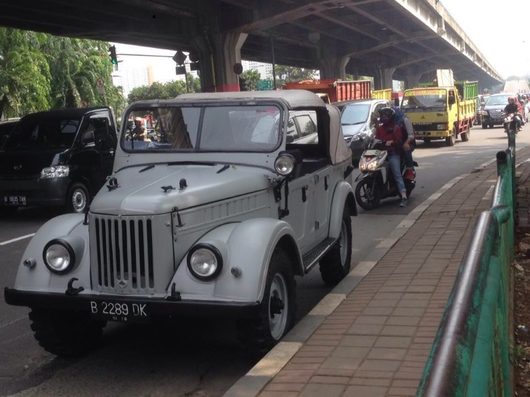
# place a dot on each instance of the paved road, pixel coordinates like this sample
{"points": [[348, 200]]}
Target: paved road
{"points": [[194, 358]]}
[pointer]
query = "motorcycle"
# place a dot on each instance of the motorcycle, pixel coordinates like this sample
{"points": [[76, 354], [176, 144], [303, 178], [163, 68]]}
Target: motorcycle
{"points": [[512, 122], [376, 181]]}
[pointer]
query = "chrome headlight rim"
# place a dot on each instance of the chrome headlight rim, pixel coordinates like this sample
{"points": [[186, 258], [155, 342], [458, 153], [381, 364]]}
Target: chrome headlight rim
{"points": [[218, 257], [282, 157], [68, 248]]}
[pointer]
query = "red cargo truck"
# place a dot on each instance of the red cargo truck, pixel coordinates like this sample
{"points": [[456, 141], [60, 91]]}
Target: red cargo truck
{"points": [[334, 90]]}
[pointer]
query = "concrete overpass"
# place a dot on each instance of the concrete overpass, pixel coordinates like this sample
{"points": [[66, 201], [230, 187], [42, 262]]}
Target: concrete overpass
{"points": [[388, 39]]}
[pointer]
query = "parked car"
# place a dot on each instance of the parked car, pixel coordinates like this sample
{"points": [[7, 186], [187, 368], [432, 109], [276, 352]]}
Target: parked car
{"points": [[57, 158], [359, 122], [6, 126], [215, 218], [493, 112], [302, 127]]}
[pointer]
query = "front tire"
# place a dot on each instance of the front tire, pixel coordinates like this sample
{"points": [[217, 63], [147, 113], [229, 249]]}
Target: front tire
{"points": [[450, 140], [276, 313], [366, 193], [78, 198], [65, 334], [335, 265]]}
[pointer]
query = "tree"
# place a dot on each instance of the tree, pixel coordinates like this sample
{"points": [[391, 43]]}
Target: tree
{"points": [[39, 71], [164, 91], [287, 74], [250, 80], [24, 73]]}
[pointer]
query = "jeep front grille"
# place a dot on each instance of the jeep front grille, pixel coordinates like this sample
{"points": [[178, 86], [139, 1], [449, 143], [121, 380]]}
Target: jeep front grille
{"points": [[124, 253]]}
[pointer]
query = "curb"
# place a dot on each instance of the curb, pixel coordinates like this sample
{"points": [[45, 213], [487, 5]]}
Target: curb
{"points": [[251, 384]]}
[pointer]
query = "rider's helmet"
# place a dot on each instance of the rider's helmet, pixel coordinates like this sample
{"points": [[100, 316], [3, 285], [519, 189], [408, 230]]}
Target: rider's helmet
{"points": [[387, 115]]}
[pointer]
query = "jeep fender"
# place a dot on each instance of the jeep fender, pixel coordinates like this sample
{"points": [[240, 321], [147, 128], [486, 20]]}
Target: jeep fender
{"points": [[38, 278], [342, 196], [246, 249]]}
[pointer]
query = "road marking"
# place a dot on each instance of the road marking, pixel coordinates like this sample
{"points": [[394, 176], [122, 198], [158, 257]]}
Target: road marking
{"points": [[14, 240]]}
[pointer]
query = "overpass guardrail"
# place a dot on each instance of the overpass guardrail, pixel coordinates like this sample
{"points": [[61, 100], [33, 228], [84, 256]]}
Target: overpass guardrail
{"points": [[471, 352]]}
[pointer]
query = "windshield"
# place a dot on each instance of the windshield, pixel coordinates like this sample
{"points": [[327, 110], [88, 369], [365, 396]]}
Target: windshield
{"points": [[434, 100], [202, 129], [43, 133], [354, 114], [497, 100]]}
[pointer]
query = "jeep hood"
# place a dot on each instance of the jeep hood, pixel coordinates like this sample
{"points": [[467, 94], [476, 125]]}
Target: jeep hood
{"points": [[155, 190]]}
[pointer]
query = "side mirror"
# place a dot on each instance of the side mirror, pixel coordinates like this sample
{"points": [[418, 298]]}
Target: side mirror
{"points": [[452, 100]]}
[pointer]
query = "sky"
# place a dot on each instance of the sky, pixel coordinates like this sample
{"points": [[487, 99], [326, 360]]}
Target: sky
{"points": [[498, 29], [499, 33]]}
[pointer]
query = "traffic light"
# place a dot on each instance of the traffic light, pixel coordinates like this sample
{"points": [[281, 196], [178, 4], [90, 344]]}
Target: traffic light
{"points": [[112, 55]]}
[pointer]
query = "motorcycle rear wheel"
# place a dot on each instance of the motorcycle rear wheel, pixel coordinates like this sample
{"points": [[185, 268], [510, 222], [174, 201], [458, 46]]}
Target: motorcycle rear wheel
{"points": [[366, 194]]}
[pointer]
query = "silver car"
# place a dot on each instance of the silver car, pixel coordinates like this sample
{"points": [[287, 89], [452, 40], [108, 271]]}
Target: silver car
{"points": [[214, 216]]}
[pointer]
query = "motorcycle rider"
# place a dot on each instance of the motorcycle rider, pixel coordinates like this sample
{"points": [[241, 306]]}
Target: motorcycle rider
{"points": [[409, 142], [392, 136], [512, 107]]}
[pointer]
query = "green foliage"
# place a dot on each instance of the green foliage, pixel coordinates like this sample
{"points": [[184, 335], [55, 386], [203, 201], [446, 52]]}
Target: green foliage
{"points": [[250, 79], [24, 73], [166, 90], [40, 71], [288, 74]]}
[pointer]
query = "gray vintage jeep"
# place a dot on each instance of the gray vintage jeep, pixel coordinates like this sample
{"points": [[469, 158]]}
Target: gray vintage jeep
{"points": [[214, 214]]}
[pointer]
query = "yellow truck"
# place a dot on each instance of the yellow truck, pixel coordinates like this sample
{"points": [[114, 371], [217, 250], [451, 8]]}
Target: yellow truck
{"points": [[442, 112]]}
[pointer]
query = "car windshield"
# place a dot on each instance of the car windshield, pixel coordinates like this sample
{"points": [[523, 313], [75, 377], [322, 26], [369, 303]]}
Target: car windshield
{"points": [[497, 100], [42, 133], [420, 101], [354, 114], [238, 128]]}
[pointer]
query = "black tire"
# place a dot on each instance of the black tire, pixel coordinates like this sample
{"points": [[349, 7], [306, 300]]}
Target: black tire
{"points": [[78, 198], [65, 334], [274, 317], [427, 141], [484, 126], [450, 140], [492, 125], [335, 265], [366, 196], [465, 135]]}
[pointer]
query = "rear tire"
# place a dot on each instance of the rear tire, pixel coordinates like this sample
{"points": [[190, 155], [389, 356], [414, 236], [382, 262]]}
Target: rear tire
{"points": [[335, 265], [484, 126], [65, 334], [465, 135], [277, 310], [78, 198], [365, 196]]}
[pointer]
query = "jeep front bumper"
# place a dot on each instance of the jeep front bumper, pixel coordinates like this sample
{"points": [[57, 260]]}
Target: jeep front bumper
{"points": [[127, 308]]}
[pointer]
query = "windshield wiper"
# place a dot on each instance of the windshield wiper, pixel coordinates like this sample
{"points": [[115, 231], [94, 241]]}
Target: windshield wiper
{"points": [[356, 123]]}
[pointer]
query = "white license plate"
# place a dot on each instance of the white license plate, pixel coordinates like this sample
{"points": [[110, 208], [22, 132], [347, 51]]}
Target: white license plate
{"points": [[14, 200], [119, 311]]}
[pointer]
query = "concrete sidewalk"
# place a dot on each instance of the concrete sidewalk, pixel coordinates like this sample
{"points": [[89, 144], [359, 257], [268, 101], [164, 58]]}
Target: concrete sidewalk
{"points": [[372, 334]]}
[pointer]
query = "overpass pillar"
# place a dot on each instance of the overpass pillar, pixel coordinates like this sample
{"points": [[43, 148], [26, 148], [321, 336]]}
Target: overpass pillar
{"points": [[383, 78], [412, 79], [332, 65], [218, 53]]}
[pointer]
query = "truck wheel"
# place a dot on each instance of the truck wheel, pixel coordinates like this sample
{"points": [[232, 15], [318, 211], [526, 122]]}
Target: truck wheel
{"points": [[465, 135], [450, 140], [277, 310], [78, 198], [335, 265], [366, 194], [484, 126], [427, 141], [65, 334]]}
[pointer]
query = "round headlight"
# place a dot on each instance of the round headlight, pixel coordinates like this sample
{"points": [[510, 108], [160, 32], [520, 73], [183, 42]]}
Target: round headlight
{"points": [[204, 262], [284, 164], [58, 256]]}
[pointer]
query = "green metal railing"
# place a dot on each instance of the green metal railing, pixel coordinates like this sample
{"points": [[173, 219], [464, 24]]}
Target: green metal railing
{"points": [[471, 352]]}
